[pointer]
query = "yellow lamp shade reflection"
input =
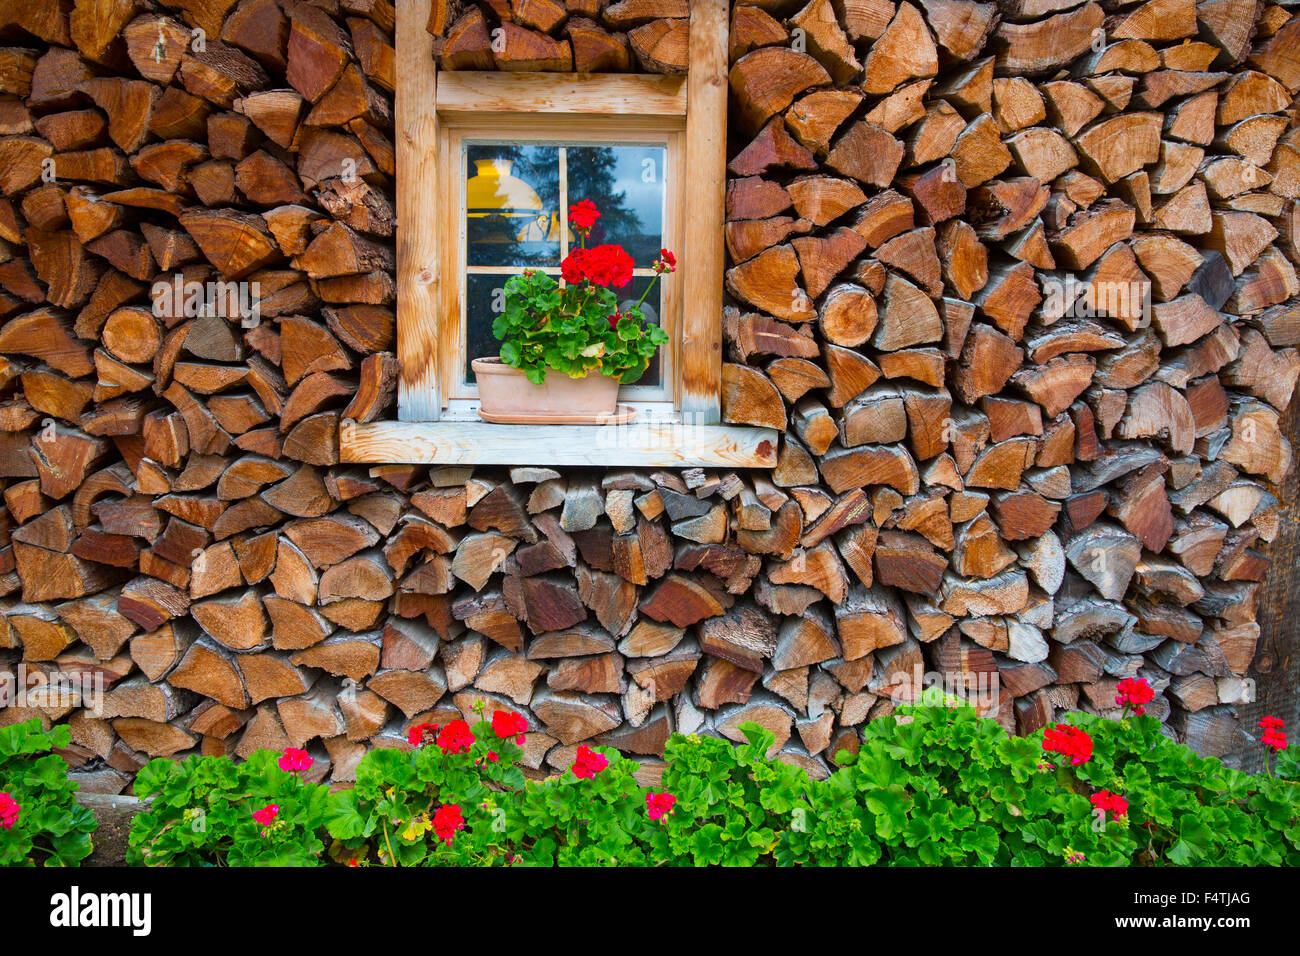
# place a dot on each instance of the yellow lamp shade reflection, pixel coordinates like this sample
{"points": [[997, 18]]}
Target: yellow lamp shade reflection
{"points": [[512, 207]]}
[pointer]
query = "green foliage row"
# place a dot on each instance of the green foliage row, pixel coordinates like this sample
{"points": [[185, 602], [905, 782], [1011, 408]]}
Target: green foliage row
{"points": [[201, 814], [930, 786], [50, 828]]}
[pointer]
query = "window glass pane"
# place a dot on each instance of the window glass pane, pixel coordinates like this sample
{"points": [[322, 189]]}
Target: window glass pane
{"points": [[652, 309], [627, 184], [516, 197], [512, 203], [484, 301]]}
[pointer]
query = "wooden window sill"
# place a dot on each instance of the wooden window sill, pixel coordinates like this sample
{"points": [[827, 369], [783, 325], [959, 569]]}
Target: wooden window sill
{"points": [[636, 445]]}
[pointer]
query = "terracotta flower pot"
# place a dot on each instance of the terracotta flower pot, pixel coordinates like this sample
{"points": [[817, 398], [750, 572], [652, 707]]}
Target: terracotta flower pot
{"points": [[505, 394]]}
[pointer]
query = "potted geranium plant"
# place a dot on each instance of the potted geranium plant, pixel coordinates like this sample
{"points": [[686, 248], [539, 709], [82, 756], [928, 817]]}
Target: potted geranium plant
{"points": [[566, 349]]}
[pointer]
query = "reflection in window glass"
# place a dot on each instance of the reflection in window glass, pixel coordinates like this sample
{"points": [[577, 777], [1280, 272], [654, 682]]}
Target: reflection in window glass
{"points": [[516, 204], [484, 301], [512, 205], [627, 184], [652, 309]]}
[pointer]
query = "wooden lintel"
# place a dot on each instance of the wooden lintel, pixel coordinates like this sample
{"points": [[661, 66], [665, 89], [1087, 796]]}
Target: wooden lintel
{"points": [[568, 94]]}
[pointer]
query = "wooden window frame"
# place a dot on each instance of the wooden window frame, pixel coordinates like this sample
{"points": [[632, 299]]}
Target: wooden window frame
{"points": [[455, 132], [428, 104]]}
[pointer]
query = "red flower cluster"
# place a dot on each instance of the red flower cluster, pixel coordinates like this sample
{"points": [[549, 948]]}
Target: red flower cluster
{"points": [[294, 759], [446, 821], [415, 736], [456, 738], [1274, 735], [667, 262], [583, 215], [588, 763], [659, 804], [507, 723], [9, 810], [607, 266], [1134, 692], [1068, 741], [266, 816], [1111, 803]]}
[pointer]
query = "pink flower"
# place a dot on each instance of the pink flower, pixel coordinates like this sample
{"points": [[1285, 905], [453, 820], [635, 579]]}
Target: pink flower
{"points": [[9, 810], [588, 763], [659, 804], [294, 759], [266, 816]]}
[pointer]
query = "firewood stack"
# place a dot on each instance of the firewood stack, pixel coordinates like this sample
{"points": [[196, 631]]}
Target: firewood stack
{"points": [[1016, 280]]}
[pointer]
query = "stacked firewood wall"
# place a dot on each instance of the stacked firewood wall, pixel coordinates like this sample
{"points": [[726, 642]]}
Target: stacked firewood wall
{"points": [[1016, 280]]}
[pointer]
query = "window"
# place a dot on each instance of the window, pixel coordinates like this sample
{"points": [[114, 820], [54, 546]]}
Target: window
{"points": [[487, 165], [510, 202]]}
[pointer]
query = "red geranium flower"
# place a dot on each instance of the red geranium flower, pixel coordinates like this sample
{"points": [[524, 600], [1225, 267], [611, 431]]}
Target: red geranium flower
{"points": [[583, 215], [1134, 692], [1274, 735], [659, 804], [1072, 742], [266, 816], [507, 723], [446, 821], [615, 319], [415, 736], [9, 810], [571, 268], [294, 759], [588, 763], [667, 262], [1109, 802], [608, 266], [456, 738]]}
